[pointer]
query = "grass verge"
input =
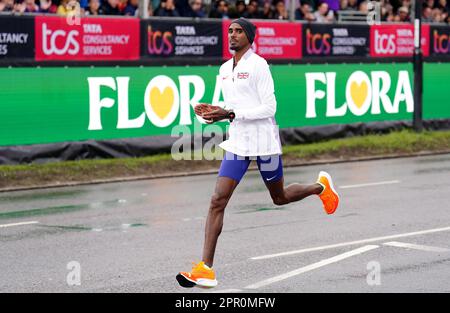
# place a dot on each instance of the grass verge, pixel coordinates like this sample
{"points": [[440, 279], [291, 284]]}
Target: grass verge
{"points": [[402, 142]]}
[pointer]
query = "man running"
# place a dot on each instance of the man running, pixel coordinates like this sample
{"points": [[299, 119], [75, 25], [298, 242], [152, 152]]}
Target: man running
{"points": [[248, 92]]}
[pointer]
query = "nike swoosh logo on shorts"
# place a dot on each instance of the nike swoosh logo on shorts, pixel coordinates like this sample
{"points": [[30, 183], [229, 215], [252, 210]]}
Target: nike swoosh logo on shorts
{"points": [[271, 178]]}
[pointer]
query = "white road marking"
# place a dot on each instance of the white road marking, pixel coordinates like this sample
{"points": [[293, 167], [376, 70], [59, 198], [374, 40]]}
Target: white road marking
{"points": [[311, 267], [349, 243], [371, 184], [194, 218], [415, 247], [18, 224], [95, 205], [226, 291]]}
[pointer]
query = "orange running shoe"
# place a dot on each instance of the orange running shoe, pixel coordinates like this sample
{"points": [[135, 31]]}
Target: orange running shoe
{"points": [[201, 276], [329, 196]]}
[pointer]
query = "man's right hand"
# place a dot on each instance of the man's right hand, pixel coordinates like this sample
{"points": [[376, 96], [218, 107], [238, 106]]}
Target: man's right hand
{"points": [[217, 114], [202, 108]]}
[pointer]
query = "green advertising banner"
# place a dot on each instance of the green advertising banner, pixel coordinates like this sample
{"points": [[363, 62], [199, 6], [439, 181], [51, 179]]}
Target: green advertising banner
{"points": [[47, 105], [436, 83]]}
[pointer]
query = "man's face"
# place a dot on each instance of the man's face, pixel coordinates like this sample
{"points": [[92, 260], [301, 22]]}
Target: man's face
{"points": [[403, 15], [323, 9], [94, 4], [253, 7], [240, 7], [306, 8], [236, 37], [223, 7], [280, 6], [196, 5], [113, 3]]}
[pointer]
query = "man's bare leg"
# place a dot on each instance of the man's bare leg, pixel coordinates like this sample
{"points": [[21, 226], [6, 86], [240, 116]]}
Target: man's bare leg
{"points": [[214, 222], [292, 193]]}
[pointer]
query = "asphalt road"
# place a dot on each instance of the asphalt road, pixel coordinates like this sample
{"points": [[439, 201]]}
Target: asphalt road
{"points": [[136, 236]]}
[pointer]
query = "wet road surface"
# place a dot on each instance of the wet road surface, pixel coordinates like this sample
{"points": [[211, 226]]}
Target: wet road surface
{"points": [[391, 233]]}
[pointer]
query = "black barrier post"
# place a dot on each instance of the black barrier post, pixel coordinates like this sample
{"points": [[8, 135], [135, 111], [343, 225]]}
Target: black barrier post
{"points": [[418, 68]]}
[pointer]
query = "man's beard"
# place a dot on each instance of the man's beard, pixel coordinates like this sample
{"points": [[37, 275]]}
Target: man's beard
{"points": [[235, 48]]}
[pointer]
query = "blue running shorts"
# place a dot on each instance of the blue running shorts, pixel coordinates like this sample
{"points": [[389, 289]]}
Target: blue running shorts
{"points": [[235, 166]]}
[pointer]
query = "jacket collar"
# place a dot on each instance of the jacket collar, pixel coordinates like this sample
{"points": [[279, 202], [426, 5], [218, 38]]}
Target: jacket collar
{"points": [[246, 55]]}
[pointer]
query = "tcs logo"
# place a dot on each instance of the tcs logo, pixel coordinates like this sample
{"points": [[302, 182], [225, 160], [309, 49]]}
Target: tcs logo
{"points": [[158, 42], [441, 42], [384, 43], [318, 43], [59, 42]]}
